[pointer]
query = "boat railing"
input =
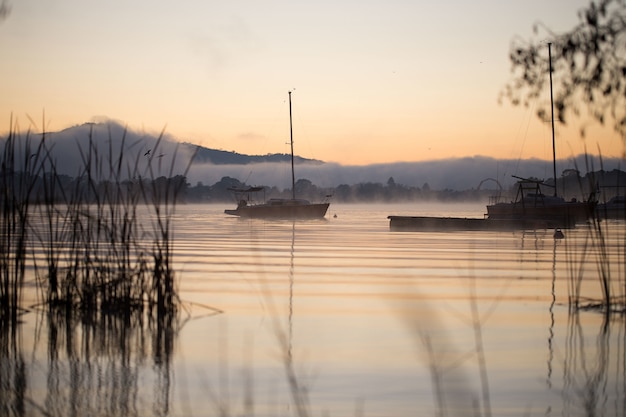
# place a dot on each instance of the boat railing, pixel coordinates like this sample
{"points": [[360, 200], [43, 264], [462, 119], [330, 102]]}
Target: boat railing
{"points": [[250, 195], [499, 198]]}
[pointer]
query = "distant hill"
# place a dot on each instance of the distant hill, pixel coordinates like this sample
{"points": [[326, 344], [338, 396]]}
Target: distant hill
{"points": [[111, 140], [113, 143], [219, 157]]}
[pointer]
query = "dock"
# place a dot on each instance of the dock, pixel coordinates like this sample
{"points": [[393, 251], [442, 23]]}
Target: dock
{"points": [[447, 224]]}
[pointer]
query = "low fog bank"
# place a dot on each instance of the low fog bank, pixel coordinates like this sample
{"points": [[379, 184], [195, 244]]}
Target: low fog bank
{"points": [[455, 174]]}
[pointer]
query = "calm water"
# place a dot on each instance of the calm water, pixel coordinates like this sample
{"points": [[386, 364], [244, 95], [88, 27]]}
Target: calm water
{"points": [[363, 321]]}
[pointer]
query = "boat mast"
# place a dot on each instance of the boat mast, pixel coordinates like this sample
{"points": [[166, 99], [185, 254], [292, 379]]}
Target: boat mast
{"points": [[551, 116], [293, 175]]}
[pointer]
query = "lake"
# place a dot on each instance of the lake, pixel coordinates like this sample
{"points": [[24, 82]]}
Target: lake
{"points": [[342, 317]]}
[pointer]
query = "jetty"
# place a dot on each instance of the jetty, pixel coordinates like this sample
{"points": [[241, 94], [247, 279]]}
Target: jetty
{"points": [[447, 224]]}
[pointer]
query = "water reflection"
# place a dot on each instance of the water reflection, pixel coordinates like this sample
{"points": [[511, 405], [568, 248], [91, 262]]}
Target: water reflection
{"points": [[589, 388], [298, 390], [295, 382], [13, 373], [490, 303], [551, 310], [291, 270], [94, 366], [592, 354]]}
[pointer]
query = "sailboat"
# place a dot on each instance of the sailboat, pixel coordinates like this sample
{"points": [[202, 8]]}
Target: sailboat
{"points": [[531, 204], [277, 208]]}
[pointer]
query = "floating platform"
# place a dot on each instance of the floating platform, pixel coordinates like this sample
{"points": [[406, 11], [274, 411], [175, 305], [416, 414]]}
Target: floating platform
{"points": [[446, 224]]}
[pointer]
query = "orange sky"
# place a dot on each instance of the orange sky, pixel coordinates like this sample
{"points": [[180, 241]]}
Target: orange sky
{"points": [[374, 81]]}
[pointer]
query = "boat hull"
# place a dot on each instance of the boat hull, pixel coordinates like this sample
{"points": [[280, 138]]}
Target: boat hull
{"points": [[567, 214], [612, 209], [268, 211]]}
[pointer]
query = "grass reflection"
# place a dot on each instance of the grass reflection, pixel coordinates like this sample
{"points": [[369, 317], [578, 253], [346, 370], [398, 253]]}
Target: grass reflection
{"points": [[97, 367]]}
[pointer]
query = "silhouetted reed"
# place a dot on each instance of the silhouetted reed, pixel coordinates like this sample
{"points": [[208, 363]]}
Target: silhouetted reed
{"points": [[101, 242], [161, 194], [18, 172], [604, 245], [100, 246]]}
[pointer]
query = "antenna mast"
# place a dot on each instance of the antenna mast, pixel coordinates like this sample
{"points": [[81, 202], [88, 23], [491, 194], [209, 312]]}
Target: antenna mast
{"points": [[293, 175], [552, 116]]}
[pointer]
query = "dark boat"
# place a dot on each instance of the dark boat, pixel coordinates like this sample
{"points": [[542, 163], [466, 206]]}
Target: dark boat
{"points": [[615, 208], [248, 205], [531, 209], [531, 204], [274, 208]]}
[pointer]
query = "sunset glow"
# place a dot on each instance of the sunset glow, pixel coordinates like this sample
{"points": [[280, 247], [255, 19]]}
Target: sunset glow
{"points": [[374, 81]]}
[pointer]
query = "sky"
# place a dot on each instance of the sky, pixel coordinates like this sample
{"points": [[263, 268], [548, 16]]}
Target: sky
{"points": [[373, 81]]}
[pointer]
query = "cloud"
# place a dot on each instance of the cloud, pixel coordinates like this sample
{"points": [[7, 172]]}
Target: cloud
{"points": [[251, 136], [224, 45]]}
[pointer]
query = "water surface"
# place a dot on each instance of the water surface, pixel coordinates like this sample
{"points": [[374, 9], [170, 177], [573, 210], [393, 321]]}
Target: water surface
{"points": [[362, 320]]}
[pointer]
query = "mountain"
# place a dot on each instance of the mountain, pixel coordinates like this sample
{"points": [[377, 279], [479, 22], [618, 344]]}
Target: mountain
{"points": [[111, 142], [219, 157]]}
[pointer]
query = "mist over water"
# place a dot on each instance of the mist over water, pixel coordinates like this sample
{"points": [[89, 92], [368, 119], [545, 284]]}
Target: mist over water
{"points": [[368, 322], [455, 174]]}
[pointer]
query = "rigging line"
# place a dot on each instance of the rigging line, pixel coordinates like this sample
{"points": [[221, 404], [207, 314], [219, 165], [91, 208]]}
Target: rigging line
{"points": [[302, 140], [529, 116], [248, 177], [549, 133], [523, 126], [266, 137]]}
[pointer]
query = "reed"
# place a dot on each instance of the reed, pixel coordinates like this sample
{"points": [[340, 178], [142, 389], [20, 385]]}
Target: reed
{"points": [[161, 194], [18, 171], [604, 245], [90, 248], [103, 271]]}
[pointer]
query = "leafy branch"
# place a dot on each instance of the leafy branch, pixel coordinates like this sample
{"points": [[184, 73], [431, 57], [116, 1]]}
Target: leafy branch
{"points": [[589, 66]]}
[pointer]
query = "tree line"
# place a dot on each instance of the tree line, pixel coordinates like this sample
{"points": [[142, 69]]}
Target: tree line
{"points": [[602, 184], [571, 184]]}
